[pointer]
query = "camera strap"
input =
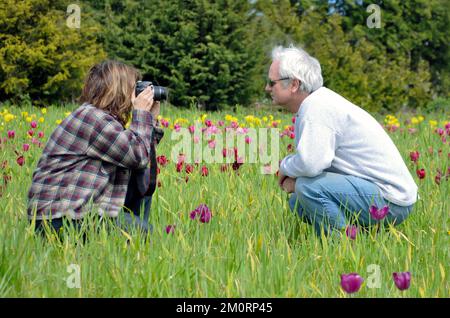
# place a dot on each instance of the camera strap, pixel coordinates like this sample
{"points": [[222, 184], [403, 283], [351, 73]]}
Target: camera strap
{"points": [[152, 170]]}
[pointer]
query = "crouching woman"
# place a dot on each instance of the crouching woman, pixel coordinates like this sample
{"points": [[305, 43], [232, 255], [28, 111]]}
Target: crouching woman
{"points": [[92, 162]]}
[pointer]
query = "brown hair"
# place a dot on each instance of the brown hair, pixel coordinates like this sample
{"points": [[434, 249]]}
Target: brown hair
{"points": [[109, 86]]}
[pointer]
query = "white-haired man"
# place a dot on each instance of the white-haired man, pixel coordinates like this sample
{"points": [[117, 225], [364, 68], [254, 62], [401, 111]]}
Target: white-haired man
{"points": [[345, 164]]}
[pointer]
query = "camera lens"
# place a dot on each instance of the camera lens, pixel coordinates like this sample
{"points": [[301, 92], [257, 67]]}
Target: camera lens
{"points": [[159, 93]]}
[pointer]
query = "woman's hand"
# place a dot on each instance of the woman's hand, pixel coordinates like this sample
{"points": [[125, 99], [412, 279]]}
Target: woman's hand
{"points": [[144, 101], [155, 110], [288, 185]]}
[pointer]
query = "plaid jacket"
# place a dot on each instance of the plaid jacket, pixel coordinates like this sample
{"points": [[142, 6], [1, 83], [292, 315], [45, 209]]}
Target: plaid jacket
{"points": [[87, 162]]}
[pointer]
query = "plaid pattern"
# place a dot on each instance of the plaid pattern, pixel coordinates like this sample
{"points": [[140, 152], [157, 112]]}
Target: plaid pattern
{"points": [[86, 163]]}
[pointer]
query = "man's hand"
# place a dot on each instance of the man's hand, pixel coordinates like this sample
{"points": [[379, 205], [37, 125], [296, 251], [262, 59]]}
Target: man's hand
{"points": [[281, 178], [288, 185]]}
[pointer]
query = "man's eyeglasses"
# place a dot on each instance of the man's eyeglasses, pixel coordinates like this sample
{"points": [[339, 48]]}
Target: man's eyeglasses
{"points": [[271, 83]]}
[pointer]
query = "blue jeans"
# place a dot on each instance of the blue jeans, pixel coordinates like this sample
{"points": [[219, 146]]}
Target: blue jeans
{"points": [[135, 214], [331, 201]]}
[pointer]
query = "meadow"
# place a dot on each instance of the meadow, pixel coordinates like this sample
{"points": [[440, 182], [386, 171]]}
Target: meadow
{"points": [[252, 246]]}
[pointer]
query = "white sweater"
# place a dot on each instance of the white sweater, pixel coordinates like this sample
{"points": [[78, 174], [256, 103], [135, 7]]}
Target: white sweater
{"points": [[332, 134]]}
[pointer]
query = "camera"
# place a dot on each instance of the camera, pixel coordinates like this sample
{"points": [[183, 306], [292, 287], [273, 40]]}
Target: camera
{"points": [[159, 92]]}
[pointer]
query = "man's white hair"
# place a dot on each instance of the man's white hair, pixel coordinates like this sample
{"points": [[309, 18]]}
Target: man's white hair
{"points": [[295, 63]]}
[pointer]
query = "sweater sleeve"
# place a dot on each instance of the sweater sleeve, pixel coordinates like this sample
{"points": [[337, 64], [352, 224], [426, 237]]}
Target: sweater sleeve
{"points": [[129, 148], [315, 151]]}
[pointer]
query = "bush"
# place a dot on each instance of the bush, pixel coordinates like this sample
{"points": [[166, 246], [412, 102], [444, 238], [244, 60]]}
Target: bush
{"points": [[40, 56]]}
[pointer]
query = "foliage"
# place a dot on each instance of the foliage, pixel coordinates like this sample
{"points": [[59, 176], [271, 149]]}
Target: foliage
{"points": [[199, 49], [40, 55], [352, 64]]}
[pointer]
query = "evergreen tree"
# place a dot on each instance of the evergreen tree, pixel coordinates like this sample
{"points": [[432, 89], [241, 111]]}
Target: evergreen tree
{"points": [[202, 50], [40, 56]]}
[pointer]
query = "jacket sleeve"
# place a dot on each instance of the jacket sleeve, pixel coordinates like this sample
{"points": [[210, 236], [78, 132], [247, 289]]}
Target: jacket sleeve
{"points": [[129, 148], [315, 151]]}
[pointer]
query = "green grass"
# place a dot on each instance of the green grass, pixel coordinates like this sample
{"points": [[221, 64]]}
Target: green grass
{"points": [[253, 246]]}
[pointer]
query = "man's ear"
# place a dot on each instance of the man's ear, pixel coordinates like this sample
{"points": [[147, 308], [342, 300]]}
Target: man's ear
{"points": [[295, 86]]}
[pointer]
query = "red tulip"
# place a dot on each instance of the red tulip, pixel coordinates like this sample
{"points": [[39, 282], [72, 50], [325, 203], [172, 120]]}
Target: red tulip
{"points": [[205, 171], [414, 155], [162, 160], [189, 168], [20, 160], [41, 134], [11, 134], [420, 173]]}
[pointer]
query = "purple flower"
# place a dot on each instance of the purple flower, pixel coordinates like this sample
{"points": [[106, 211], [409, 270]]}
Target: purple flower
{"points": [[170, 229], [11, 133], [402, 280], [203, 211], [351, 231], [378, 214], [351, 283]]}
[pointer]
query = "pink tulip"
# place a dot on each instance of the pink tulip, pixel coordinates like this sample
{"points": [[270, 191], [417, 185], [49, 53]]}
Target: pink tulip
{"points": [[378, 214], [205, 171], [26, 147], [351, 283], [212, 143], [351, 231], [33, 124], [203, 212], [41, 134], [414, 155], [170, 229], [402, 280], [11, 134]]}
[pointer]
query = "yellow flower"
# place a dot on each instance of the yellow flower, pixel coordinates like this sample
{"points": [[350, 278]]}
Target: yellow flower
{"points": [[28, 119], [420, 118], [67, 114], [433, 123], [58, 121], [41, 119], [228, 118], [265, 119], [9, 117], [159, 117], [44, 111], [249, 119], [24, 114], [414, 121]]}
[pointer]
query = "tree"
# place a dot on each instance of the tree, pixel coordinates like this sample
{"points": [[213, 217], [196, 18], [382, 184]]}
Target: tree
{"points": [[353, 65], [202, 50], [40, 56]]}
